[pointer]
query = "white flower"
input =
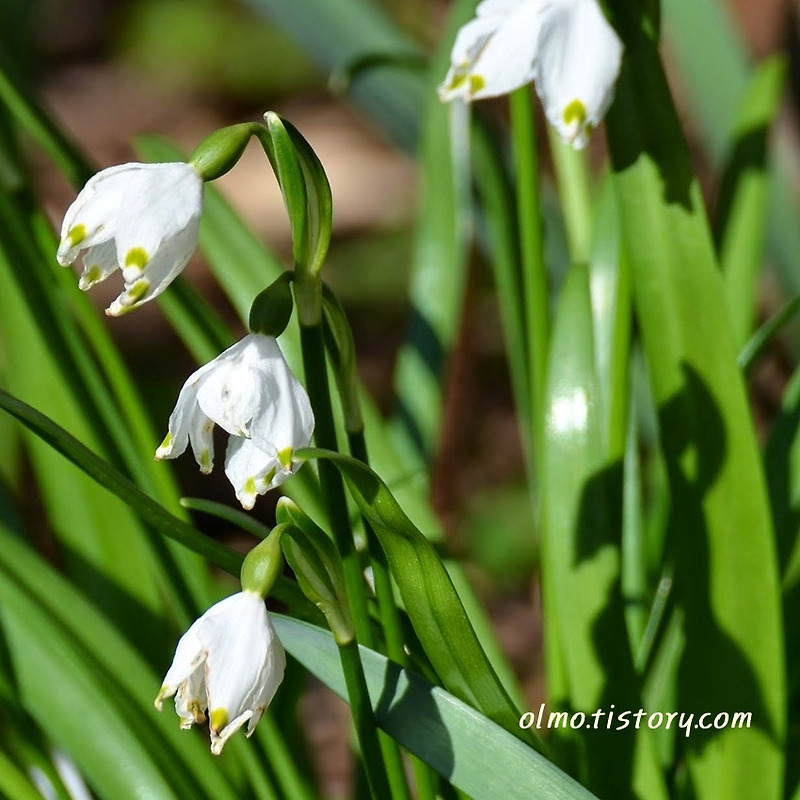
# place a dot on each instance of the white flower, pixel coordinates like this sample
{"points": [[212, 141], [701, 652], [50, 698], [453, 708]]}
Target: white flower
{"points": [[566, 47], [140, 218], [249, 391], [229, 663]]}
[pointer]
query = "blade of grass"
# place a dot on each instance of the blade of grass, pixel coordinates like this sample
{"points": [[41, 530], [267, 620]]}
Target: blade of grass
{"points": [[741, 213]]}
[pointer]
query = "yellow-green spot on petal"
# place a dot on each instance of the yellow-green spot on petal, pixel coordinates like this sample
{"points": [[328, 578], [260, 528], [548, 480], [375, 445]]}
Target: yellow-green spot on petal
{"points": [[218, 719], [92, 275], [285, 457], [76, 234], [167, 442], [137, 257], [575, 112], [136, 292], [476, 83], [205, 461], [267, 480], [250, 487], [458, 80]]}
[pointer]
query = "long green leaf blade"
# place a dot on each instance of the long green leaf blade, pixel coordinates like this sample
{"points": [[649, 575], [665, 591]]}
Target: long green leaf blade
{"points": [[733, 654], [474, 754]]}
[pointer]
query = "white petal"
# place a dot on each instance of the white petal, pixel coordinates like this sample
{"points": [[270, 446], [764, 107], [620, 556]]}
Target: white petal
{"points": [[218, 738], [180, 422], [579, 57], [245, 657], [99, 261], [92, 217], [497, 8], [191, 699], [145, 284], [201, 435], [187, 661], [251, 471], [284, 420], [495, 52], [160, 200], [231, 394]]}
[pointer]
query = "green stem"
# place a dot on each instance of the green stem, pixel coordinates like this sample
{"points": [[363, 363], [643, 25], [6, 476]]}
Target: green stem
{"points": [[390, 620], [534, 273], [364, 720], [575, 191], [378, 751], [316, 373], [387, 609]]}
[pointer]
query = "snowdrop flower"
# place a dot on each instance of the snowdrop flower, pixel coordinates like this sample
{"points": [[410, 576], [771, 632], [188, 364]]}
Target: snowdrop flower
{"points": [[250, 392], [566, 47], [140, 218], [229, 663]]}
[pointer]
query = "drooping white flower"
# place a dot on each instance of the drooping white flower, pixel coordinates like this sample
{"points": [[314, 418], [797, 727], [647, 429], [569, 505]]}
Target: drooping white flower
{"points": [[229, 664], [140, 218], [250, 392], [567, 47]]}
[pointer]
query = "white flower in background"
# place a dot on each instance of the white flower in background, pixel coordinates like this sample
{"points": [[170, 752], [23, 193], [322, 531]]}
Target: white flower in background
{"points": [[140, 218], [566, 47], [250, 392], [229, 663]]}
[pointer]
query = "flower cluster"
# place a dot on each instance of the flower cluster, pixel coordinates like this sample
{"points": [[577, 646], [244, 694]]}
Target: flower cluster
{"points": [[566, 47], [143, 219]]}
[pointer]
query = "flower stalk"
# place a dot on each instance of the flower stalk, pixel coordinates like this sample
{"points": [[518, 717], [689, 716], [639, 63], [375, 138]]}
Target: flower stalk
{"points": [[311, 343], [318, 569], [534, 271]]}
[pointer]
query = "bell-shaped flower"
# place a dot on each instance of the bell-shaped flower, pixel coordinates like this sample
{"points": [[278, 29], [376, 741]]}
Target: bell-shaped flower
{"points": [[567, 47], [228, 665], [251, 393], [140, 218]]}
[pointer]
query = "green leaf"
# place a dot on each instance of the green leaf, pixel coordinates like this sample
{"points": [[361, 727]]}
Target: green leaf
{"points": [[713, 57], [473, 753], [430, 599], [581, 490], [741, 214], [729, 594], [14, 784], [439, 267], [106, 475], [758, 343]]}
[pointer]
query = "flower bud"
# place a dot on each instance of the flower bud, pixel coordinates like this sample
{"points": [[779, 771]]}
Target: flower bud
{"points": [[263, 564], [318, 568], [219, 151]]}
